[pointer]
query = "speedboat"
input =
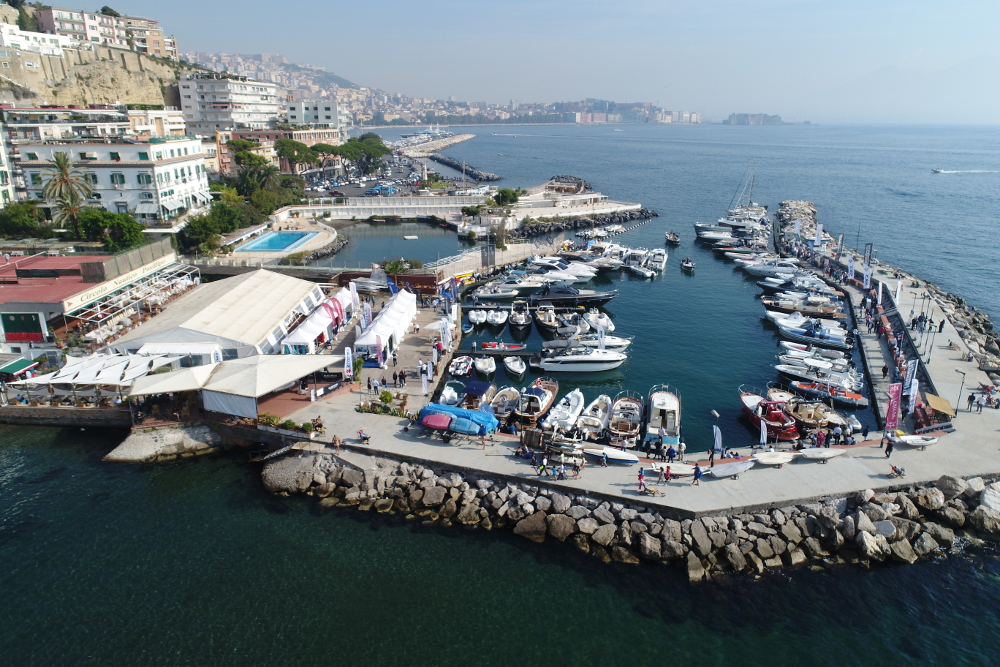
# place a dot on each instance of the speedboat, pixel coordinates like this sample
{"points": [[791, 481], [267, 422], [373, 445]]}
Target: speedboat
{"points": [[557, 264], [759, 410], [501, 346], [771, 268], [599, 320], [588, 340], [556, 278], [798, 320], [793, 306], [832, 365], [451, 393], [815, 337], [593, 421], [486, 365], [564, 413], [612, 455], [477, 316], [672, 238], [626, 418], [826, 390], [730, 469], [657, 259], [536, 400], [514, 366], [497, 318], [848, 381], [497, 292], [546, 318], [460, 366], [687, 264], [663, 409], [477, 392], [504, 402], [580, 360], [813, 350], [519, 317], [570, 297]]}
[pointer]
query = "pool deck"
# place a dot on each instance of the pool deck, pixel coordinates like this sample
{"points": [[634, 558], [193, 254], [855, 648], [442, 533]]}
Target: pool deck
{"points": [[324, 236]]}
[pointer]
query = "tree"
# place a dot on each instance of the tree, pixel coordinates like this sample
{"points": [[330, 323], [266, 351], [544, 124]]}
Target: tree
{"points": [[240, 145], [107, 11], [506, 197], [248, 159], [26, 21], [67, 214], [22, 221], [226, 217], [65, 181], [201, 232], [295, 152], [364, 150], [268, 202], [118, 231]]}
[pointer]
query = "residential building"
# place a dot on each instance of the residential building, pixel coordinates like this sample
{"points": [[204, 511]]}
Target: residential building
{"points": [[318, 113], [216, 102], [149, 38], [224, 156], [157, 123], [155, 180], [7, 190], [12, 37], [84, 26]]}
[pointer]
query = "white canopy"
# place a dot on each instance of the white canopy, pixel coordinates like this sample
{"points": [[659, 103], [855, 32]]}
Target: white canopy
{"points": [[213, 350], [309, 330], [186, 379], [393, 320]]}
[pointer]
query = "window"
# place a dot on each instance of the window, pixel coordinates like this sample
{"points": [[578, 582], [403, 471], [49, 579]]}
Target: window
{"points": [[328, 118], [93, 177], [326, 109], [145, 179], [185, 151], [36, 179], [115, 156], [294, 116], [145, 195], [117, 178], [95, 195], [6, 65], [159, 156], [143, 156], [32, 156]]}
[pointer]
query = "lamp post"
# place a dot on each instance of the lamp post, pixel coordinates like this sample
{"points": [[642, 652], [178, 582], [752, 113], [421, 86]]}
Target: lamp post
{"points": [[960, 390]]}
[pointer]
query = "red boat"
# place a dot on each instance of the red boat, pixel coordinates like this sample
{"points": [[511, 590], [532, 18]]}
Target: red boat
{"points": [[501, 346], [780, 425]]}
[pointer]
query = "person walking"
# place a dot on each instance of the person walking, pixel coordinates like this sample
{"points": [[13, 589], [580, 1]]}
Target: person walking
{"points": [[541, 467], [395, 357], [604, 459], [671, 454], [941, 326], [370, 391], [697, 475], [980, 402], [972, 399], [888, 447], [837, 433], [864, 433], [395, 379], [885, 370], [680, 451]]}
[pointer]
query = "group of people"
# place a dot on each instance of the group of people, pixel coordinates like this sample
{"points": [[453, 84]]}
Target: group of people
{"points": [[983, 400], [655, 449]]}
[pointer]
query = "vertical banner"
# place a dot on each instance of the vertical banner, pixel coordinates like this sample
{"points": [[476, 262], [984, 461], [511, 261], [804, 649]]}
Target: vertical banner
{"points": [[868, 276], [880, 285], [423, 384], [354, 297], [798, 228], [840, 244], [393, 288], [718, 438], [763, 433], [850, 267], [348, 363], [819, 234], [378, 345], [434, 354], [368, 315], [914, 393], [892, 409], [911, 372], [868, 254], [899, 292]]}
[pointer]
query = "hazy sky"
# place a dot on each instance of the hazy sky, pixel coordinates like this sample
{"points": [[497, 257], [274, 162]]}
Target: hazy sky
{"points": [[818, 59]]}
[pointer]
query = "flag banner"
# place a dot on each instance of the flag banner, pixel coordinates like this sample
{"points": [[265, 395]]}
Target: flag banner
{"points": [[354, 296], [868, 254], [378, 346], [868, 276], [850, 267], [819, 234], [880, 285], [718, 438], [899, 291], [368, 315], [423, 384], [348, 363], [393, 288], [763, 432], [914, 393], [434, 354], [892, 409], [840, 244], [798, 228]]}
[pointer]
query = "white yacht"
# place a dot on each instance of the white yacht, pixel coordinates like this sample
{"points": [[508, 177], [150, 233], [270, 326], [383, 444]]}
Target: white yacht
{"points": [[580, 360]]}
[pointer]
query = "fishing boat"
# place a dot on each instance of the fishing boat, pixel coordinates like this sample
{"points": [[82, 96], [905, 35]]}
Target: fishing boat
{"points": [[814, 415], [599, 320], [519, 317], [593, 421], [546, 318], [663, 409], [626, 418], [477, 392], [578, 360], [730, 469], [921, 441], [502, 347], [687, 264], [468, 328], [827, 391], [613, 455], [496, 318], [451, 393], [504, 402], [535, 401], [822, 454], [672, 238], [460, 366], [570, 297], [486, 365], [514, 366], [774, 458], [657, 259], [759, 410], [563, 414], [477, 316]]}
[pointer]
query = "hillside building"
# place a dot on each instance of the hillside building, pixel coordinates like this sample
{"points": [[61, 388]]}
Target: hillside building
{"points": [[213, 102]]}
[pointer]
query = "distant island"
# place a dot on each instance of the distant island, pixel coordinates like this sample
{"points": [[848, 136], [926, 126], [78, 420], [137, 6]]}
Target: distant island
{"points": [[757, 119]]}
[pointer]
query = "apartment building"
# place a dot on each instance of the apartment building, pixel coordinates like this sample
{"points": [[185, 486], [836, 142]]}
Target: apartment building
{"points": [[212, 102], [156, 123], [84, 26], [12, 37], [318, 113], [155, 180], [149, 38]]}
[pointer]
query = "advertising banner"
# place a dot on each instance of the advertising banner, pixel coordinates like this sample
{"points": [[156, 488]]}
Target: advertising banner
{"points": [[892, 409]]}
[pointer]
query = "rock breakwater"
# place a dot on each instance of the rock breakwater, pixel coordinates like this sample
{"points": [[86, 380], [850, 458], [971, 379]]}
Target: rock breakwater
{"points": [[866, 528], [557, 226], [458, 165]]}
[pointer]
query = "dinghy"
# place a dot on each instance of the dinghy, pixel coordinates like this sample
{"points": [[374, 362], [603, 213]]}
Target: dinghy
{"points": [[519, 317], [460, 366], [663, 409], [486, 365], [536, 400], [813, 350], [672, 238], [477, 316], [826, 391], [599, 320], [730, 469], [774, 458], [496, 318], [501, 346], [687, 264], [515, 366], [468, 328], [614, 455], [593, 421], [921, 441], [504, 402], [451, 393], [563, 414], [821, 453]]}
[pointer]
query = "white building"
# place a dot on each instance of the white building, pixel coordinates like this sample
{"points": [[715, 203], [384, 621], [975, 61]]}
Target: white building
{"points": [[154, 180], [12, 37], [213, 102], [84, 26], [318, 113]]}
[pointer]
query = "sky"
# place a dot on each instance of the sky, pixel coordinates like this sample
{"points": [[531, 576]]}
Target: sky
{"points": [[881, 61]]}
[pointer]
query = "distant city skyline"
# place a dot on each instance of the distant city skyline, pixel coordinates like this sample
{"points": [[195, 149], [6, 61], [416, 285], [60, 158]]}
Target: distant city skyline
{"points": [[847, 62]]}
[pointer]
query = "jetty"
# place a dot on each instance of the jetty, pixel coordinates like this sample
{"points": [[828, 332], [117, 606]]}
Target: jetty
{"points": [[428, 148]]}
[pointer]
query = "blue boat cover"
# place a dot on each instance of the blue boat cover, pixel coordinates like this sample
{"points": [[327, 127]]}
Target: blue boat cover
{"points": [[477, 388], [487, 423], [459, 425]]}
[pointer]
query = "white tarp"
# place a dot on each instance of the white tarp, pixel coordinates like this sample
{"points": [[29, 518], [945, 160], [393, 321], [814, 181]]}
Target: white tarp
{"points": [[186, 379], [262, 374], [229, 404]]}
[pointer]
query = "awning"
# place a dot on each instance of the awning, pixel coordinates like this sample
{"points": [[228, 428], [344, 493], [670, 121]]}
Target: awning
{"points": [[147, 208], [18, 366], [939, 404], [175, 206], [211, 349], [186, 379], [203, 197]]}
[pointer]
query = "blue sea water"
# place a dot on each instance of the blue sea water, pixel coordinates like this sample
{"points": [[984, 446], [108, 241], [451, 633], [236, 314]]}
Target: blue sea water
{"points": [[194, 564]]}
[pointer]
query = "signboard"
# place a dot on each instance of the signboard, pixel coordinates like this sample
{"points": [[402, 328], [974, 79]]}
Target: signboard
{"points": [[94, 293], [892, 409], [868, 254], [914, 393], [348, 363], [911, 373]]}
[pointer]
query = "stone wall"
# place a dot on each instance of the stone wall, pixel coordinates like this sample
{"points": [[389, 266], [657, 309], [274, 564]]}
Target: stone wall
{"points": [[864, 529], [92, 417]]}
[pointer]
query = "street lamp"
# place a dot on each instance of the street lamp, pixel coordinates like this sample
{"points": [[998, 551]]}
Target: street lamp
{"points": [[960, 390]]}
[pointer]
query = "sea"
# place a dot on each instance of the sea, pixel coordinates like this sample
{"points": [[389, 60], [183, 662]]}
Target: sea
{"points": [[193, 563]]}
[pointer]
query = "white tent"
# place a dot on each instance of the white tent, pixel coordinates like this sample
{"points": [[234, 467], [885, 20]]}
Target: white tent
{"points": [[211, 350], [391, 322], [308, 331], [186, 379]]}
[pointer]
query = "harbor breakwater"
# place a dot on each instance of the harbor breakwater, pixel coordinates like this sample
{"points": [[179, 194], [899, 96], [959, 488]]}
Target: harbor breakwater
{"points": [[557, 226], [866, 528], [467, 169]]}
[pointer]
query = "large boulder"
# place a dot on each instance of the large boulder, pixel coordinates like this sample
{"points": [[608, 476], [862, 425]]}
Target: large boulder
{"points": [[560, 526], [869, 545], [952, 516], [672, 550], [828, 517], [986, 520], [623, 555], [434, 496], [903, 552], [560, 503], [885, 529], [605, 535], [649, 547], [862, 524], [951, 487], [906, 507], [924, 544], [532, 527], [577, 512], [941, 534], [587, 525], [470, 515], [603, 515], [351, 477], [930, 499], [973, 487], [763, 548], [696, 571], [702, 543], [990, 496], [791, 533], [905, 528], [734, 557]]}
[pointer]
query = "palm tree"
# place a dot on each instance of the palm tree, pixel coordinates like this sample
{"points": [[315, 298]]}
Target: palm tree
{"points": [[269, 177], [67, 214], [64, 181]]}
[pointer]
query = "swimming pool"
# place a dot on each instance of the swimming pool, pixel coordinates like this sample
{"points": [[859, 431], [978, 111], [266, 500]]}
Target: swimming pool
{"points": [[277, 241]]}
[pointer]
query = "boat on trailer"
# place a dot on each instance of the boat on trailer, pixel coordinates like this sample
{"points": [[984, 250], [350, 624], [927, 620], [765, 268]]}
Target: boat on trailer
{"points": [[663, 409]]}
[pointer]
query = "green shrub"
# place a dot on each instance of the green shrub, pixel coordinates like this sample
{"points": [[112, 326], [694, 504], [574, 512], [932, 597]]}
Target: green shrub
{"points": [[267, 419], [385, 397], [307, 427], [289, 425]]}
